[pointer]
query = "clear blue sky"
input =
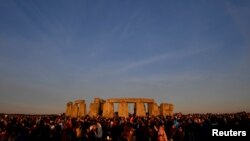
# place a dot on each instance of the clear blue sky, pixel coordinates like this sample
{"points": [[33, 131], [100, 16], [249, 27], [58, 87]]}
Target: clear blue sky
{"points": [[194, 54]]}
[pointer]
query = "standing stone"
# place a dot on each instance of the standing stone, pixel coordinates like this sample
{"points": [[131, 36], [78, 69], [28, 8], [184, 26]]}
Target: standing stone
{"points": [[82, 110], [108, 110], [69, 108], [123, 109], [81, 107], [75, 111], [153, 109], [140, 109], [171, 109], [166, 109], [94, 109]]}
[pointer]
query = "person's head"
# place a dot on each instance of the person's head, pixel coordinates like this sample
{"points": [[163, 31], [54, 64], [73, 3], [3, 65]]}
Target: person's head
{"points": [[129, 131], [180, 129], [161, 127]]}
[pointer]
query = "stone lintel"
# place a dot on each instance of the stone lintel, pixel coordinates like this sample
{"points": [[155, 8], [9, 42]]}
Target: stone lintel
{"points": [[98, 100], [79, 101], [70, 103], [130, 100]]}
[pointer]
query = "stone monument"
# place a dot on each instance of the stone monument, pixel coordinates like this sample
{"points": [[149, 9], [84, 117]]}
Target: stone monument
{"points": [[106, 107]]}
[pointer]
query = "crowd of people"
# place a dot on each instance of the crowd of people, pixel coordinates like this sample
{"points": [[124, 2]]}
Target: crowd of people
{"points": [[179, 127]]}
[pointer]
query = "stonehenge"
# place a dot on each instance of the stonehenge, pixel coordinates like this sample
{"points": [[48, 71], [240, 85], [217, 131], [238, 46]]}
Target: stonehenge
{"points": [[105, 108]]}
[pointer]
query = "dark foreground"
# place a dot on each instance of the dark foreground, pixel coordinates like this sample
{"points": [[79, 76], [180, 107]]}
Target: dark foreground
{"points": [[192, 127]]}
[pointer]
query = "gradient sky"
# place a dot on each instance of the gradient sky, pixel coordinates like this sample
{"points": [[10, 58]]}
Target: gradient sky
{"points": [[194, 54]]}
